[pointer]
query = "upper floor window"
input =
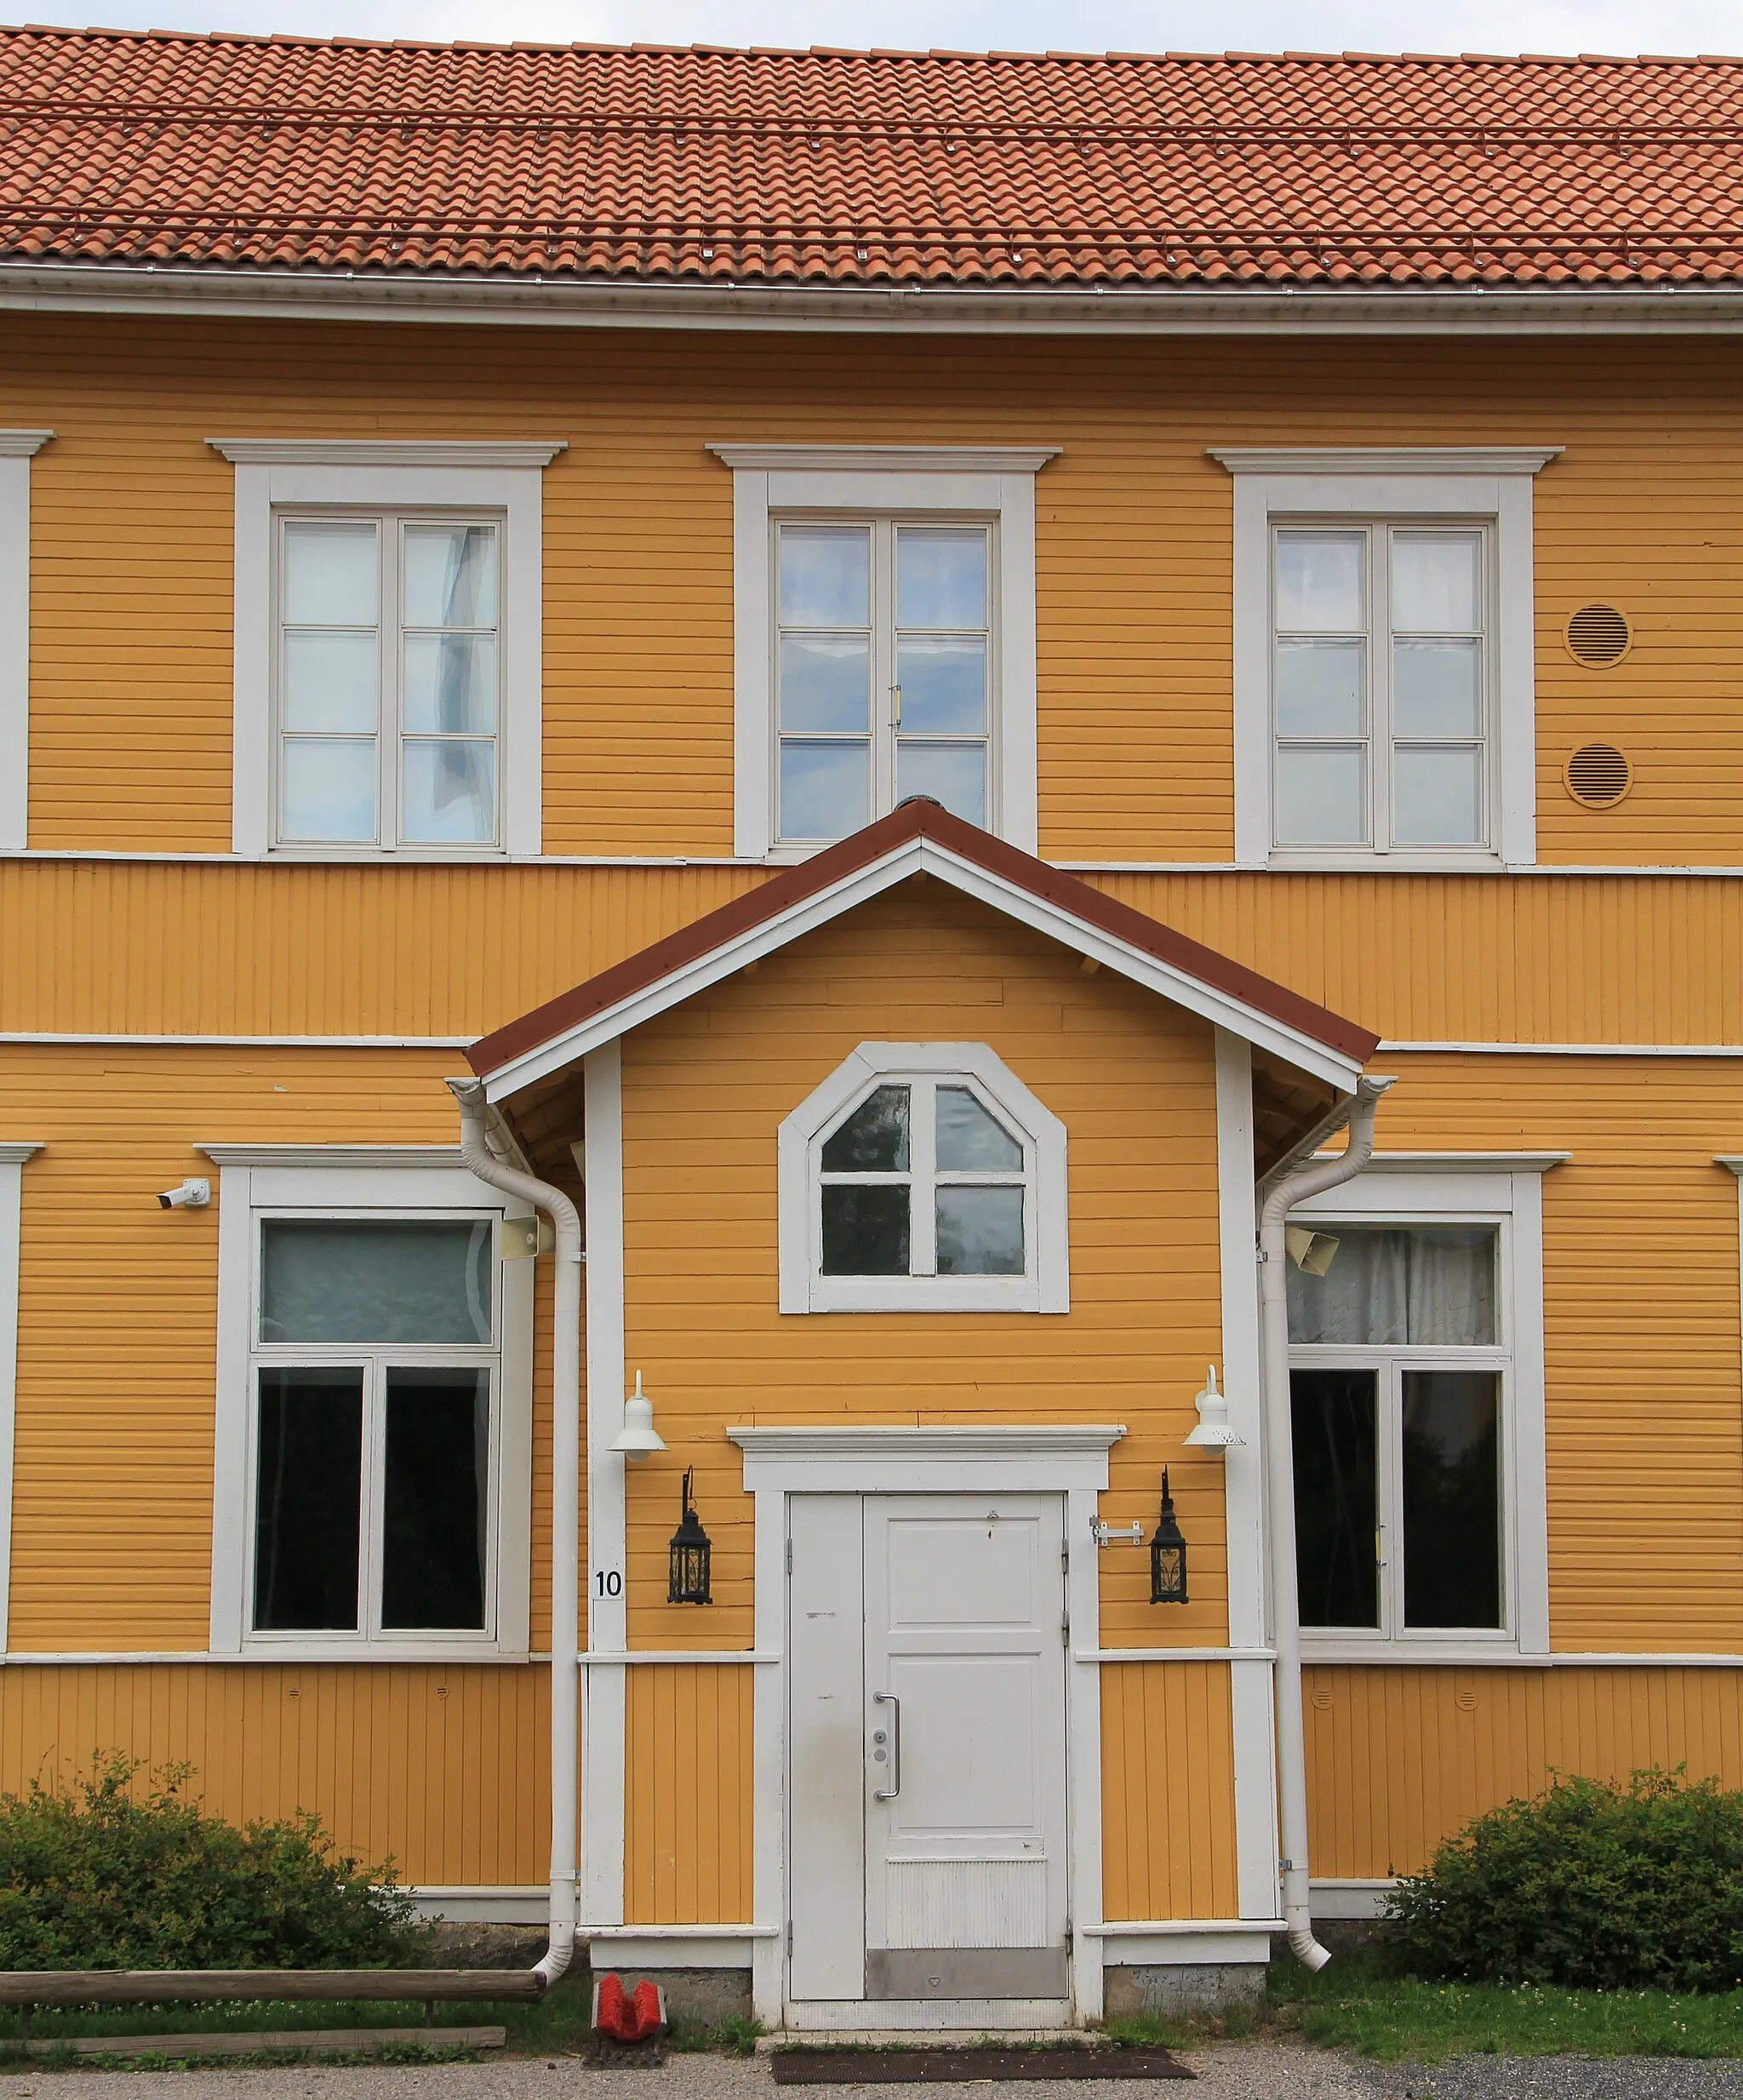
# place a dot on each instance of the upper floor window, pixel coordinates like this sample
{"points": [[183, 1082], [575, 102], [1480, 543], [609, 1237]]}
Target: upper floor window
{"points": [[1384, 686], [883, 625], [922, 1176], [18, 448], [1380, 687], [885, 672], [389, 610], [388, 643]]}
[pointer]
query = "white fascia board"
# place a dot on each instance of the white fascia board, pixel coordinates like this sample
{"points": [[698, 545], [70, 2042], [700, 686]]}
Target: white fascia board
{"points": [[925, 857], [383, 452], [332, 1155], [1384, 459], [915, 309], [898, 1458], [1458, 1162]]}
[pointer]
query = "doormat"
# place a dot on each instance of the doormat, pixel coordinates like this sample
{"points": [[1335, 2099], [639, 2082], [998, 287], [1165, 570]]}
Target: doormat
{"points": [[965, 2067]]}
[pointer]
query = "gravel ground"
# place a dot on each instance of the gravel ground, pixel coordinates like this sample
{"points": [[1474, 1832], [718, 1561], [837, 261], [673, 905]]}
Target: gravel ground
{"points": [[1231, 2071]]}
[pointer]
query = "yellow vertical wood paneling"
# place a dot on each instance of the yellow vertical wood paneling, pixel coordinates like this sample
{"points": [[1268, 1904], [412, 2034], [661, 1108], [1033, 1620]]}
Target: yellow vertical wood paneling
{"points": [[705, 1088], [688, 1810], [1168, 1809], [1399, 1758], [131, 623], [444, 1767]]}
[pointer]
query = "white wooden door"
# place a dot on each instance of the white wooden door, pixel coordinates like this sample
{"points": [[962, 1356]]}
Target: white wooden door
{"points": [[928, 1771]]}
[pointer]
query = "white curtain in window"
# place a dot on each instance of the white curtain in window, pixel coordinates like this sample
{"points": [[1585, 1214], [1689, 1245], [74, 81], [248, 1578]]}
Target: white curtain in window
{"points": [[1386, 1287]]}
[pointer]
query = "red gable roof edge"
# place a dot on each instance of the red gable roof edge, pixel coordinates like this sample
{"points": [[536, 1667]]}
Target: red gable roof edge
{"points": [[914, 819]]}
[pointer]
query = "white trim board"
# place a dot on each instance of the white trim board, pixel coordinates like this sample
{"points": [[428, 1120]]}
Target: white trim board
{"points": [[1492, 484], [805, 1288], [17, 450], [923, 855], [996, 483], [13, 1153], [271, 473], [325, 1179]]}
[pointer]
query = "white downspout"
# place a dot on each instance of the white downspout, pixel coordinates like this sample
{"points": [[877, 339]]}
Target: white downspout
{"points": [[565, 1502], [1280, 1484]]}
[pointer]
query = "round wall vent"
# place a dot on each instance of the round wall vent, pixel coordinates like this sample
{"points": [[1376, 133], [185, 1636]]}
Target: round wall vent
{"points": [[1598, 775], [1599, 635]]}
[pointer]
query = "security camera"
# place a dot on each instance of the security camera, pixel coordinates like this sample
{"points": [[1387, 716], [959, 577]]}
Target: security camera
{"points": [[193, 1195]]}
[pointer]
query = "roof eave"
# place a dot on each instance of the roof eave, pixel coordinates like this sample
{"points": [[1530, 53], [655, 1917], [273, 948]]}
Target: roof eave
{"points": [[938, 309]]}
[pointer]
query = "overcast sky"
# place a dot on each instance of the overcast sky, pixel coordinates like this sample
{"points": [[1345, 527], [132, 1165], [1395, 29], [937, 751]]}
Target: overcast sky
{"points": [[1501, 25]]}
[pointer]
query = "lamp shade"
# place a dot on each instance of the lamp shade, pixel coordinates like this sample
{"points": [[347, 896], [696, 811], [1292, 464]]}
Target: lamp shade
{"points": [[637, 1436], [1213, 1430], [1168, 1555]]}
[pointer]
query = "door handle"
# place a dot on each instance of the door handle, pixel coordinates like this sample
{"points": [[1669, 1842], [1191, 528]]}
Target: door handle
{"points": [[889, 1699]]}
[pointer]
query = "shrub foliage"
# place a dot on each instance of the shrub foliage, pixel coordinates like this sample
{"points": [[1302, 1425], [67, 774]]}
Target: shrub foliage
{"points": [[1604, 1887], [112, 1875]]}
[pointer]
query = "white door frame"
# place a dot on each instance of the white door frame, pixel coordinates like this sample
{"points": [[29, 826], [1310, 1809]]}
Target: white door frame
{"points": [[1068, 1459]]}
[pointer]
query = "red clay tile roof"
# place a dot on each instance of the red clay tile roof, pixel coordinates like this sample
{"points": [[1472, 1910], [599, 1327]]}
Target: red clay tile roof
{"points": [[916, 818], [850, 167]]}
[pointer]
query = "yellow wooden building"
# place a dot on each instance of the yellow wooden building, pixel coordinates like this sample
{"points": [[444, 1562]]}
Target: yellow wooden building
{"points": [[719, 774]]}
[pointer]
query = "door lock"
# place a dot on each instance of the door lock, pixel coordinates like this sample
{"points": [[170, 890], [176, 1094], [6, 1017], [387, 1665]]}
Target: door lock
{"points": [[890, 1700]]}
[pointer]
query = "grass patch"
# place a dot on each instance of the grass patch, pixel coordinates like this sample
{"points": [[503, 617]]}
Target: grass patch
{"points": [[1359, 2004]]}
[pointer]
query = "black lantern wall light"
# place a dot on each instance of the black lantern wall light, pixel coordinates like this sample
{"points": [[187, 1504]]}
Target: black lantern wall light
{"points": [[690, 1554], [1168, 1554]]}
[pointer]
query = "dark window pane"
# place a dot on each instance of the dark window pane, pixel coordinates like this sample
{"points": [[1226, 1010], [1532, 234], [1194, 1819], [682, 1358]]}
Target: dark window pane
{"points": [[374, 1280], [305, 1513], [1334, 1414], [980, 1232], [434, 1505], [865, 1230], [874, 1139], [1452, 1498]]}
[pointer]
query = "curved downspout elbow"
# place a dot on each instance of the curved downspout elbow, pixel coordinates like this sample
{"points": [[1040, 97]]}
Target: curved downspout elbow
{"points": [[565, 1467], [1280, 1482]]}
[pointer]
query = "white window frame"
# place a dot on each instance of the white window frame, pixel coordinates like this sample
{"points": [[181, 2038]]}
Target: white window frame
{"points": [[258, 1182], [367, 478], [1488, 486], [13, 1156], [912, 484], [1504, 1191], [18, 448], [803, 1287]]}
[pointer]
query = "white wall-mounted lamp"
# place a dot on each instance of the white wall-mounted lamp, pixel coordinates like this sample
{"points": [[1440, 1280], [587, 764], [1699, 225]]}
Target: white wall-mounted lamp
{"points": [[637, 1436], [1212, 1433]]}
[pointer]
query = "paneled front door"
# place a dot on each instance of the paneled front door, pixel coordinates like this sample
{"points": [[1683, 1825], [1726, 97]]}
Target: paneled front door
{"points": [[928, 1821]]}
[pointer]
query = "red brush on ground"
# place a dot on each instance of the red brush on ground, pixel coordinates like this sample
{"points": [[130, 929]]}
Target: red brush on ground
{"points": [[627, 2015]]}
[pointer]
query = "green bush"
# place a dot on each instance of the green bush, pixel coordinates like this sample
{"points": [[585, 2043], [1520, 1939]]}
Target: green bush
{"points": [[112, 1876], [1608, 1887]]}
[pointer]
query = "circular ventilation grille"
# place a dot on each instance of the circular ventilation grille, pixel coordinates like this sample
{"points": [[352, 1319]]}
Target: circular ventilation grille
{"points": [[1597, 636], [1598, 775]]}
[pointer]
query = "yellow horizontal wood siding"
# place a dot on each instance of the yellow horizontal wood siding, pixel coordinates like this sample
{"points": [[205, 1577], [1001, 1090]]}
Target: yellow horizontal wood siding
{"points": [[443, 1767], [686, 1814], [131, 577], [112, 1538], [1399, 1758], [705, 1089], [108, 948], [1167, 1803]]}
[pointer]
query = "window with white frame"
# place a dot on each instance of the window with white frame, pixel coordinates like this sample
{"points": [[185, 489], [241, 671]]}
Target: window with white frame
{"points": [[388, 637], [922, 1176], [1383, 685], [1415, 1351], [883, 621], [387, 645], [373, 1445], [885, 673], [18, 448]]}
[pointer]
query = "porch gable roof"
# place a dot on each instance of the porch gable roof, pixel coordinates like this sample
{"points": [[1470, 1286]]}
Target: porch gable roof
{"points": [[920, 837]]}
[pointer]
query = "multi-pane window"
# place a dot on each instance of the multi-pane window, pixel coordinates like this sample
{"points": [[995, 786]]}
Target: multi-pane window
{"points": [[1397, 1388], [885, 673], [923, 1179], [387, 681], [1380, 707], [376, 1362]]}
